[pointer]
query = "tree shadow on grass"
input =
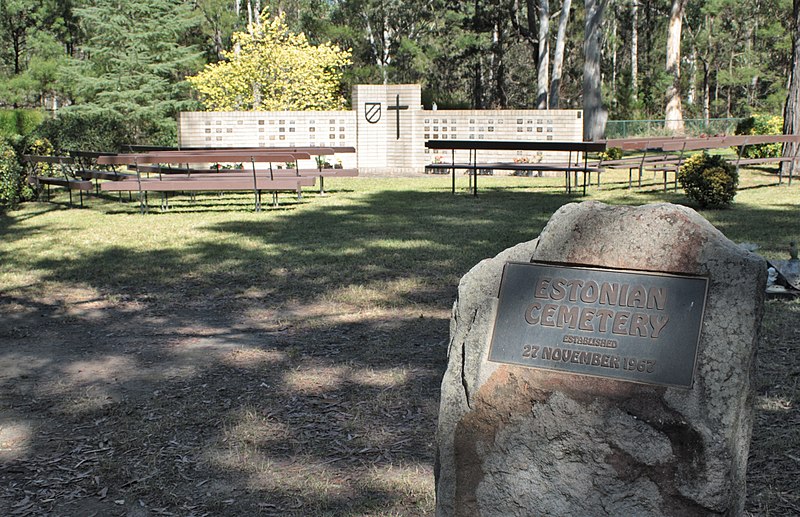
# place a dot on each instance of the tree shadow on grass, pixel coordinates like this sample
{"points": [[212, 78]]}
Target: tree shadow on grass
{"points": [[284, 365]]}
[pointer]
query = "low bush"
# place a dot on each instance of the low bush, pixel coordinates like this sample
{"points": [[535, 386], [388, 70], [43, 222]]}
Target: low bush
{"points": [[710, 181], [760, 125], [86, 131], [612, 153], [19, 122], [13, 185]]}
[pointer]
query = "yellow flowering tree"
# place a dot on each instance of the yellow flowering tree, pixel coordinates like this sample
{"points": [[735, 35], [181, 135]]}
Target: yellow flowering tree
{"points": [[273, 69]]}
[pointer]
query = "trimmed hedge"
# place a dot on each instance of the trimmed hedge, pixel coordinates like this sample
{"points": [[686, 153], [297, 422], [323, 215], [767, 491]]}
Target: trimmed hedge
{"points": [[709, 181]]}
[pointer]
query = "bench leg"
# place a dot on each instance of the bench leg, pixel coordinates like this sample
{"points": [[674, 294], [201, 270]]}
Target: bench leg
{"points": [[70, 196], [274, 199]]}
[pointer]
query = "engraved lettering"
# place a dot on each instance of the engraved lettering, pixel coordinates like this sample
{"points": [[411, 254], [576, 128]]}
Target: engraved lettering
{"points": [[640, 325], [623, 295], [573, 289], [609, 293], [658, 322], [620, 320], [541, 288], [590, 292], [657, 298], [604, 315], [638, 297], [530, 313], [586, 318], [547, 315], [567, 316], [558, 292]]}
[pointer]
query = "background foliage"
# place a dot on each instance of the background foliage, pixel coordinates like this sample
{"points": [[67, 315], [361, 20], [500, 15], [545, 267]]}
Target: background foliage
{"points": [[273, 69], [131, 59], [760, 125]]}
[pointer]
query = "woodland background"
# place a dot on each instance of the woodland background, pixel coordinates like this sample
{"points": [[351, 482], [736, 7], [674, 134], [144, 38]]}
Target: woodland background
{"points": [[127, 61]]}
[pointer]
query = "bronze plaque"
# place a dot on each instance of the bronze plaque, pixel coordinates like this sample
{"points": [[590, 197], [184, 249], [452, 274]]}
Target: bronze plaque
{"points": [[628, 325]]}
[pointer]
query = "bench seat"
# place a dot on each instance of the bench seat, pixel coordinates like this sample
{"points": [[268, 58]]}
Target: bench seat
{"points": [[70, 183], [204, 183], [558, 167], [88, 174], [770, 159]]}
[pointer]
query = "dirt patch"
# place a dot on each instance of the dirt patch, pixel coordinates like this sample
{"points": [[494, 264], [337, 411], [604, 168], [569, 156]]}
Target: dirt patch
{"points": [[141, 407], [168, 406]]}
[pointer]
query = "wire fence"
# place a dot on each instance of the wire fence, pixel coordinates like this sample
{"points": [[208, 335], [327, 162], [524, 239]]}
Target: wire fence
{"points": [[692, 127]]}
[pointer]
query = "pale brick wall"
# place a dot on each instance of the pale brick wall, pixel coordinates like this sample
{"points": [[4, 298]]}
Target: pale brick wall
{"points": [[377, 147], [270, 129]]}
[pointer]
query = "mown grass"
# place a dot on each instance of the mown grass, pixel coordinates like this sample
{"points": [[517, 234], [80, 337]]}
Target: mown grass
{"points": [[290, 359]]}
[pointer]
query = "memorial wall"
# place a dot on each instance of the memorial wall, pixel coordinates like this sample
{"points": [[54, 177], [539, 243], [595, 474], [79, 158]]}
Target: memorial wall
{"points": [[388, 127]]}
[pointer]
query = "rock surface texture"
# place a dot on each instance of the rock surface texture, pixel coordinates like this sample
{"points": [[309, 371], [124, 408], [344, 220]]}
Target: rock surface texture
{"points": [[517, 441]]}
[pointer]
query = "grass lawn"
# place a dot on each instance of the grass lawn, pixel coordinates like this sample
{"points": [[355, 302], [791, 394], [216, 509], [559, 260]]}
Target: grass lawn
{"points": [[209, 360]]}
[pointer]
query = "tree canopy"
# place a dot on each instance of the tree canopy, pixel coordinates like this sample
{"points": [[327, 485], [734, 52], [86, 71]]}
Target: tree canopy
{"points": [[272, 68], [132, 58]]}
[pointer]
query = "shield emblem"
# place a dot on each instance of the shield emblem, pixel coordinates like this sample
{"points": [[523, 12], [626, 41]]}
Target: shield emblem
{"points": [[372, 112]]}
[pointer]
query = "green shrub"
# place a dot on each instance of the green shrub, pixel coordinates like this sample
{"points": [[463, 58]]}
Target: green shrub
{"points": [[20, 122], [612, 153], [14, 186], [86, 131], [760, 125], [709, 181], [41, 147]]}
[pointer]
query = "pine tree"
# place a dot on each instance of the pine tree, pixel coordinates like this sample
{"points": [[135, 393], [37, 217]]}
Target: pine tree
{"points": [[134, 62]]}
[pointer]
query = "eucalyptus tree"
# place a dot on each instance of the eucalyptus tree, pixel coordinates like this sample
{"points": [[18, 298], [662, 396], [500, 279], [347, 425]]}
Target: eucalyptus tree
{"points": [[594, 113], [674, 112], [791, 113]]}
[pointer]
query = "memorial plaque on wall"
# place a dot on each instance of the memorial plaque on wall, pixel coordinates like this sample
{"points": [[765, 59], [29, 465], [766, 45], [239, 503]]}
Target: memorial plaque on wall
{"points": [[629, 325]]}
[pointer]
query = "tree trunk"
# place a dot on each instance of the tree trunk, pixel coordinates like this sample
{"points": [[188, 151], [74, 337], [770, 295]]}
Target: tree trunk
{"points": [[791, 112], [543, 79], [613, 57], [706, 92], [594, 115], [673, 119], [558, 55], [730, 88], [635, 49], [499, 68], [691, 95]]}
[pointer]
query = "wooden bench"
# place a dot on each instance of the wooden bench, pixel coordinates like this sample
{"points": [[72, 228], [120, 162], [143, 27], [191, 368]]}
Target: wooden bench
{"points": [[64, 165], [318, 153], [572, 167], [194, 180], [87, 168]]}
